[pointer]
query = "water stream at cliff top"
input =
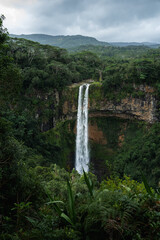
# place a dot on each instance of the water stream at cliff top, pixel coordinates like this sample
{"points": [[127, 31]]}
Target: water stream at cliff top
{"points": [[82, 152]]}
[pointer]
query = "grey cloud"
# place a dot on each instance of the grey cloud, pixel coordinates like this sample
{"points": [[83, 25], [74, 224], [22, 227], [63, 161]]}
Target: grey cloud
{"points": [[121, 12], [102, 13], [107, 20], [51, 8]]}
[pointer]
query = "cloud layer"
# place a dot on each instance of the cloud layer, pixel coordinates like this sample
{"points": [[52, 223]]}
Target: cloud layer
{"points": [[107, 20]]}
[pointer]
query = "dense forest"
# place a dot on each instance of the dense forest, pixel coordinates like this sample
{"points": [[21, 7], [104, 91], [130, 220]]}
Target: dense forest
{"points": [[40, 196]]}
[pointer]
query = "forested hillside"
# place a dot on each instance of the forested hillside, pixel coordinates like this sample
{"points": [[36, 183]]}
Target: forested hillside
{"points": [[76, 41], [41, 195], [62, 41]]}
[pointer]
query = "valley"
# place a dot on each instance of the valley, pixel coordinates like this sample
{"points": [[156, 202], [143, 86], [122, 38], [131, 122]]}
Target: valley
{"points": [[43, 196]]}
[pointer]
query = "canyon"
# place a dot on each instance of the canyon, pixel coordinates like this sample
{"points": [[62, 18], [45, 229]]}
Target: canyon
{"points": [[110, 122]]}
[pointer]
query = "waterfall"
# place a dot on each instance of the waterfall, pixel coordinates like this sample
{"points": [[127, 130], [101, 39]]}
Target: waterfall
{"points": [[82, 152]]}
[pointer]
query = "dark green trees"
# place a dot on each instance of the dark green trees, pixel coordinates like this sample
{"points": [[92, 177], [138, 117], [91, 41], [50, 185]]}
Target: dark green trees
{"points": [[10, 82]]}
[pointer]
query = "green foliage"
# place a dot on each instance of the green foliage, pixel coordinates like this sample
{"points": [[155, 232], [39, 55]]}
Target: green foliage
{"points": [[10, 82], [108, 143], [45, 67], [117, 211], [140, 154], [120, 75], [147, 187], [71, 217], [96, 93], [62, 139], [26, 130], [3, 31], [89, 183], [71, 200], [126, 52], [10, 151], [88, 65]]}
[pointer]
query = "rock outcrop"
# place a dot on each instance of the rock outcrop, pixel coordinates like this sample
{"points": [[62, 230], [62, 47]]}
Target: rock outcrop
{"points": [[141, 107]]}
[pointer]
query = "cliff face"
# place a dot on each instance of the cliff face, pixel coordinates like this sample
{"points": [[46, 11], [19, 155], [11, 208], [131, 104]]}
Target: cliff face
{"points": [[111, 123], [142, 107], [44, 107]]}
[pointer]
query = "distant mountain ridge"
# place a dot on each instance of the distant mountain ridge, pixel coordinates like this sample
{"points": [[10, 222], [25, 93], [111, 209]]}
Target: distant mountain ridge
{"points": [[72, 41], [61, 40], [125, 44]]}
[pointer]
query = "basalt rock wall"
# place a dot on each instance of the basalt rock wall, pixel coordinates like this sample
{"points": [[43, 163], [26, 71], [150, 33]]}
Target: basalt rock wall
{"points": [[111, 122], [142, 107]]}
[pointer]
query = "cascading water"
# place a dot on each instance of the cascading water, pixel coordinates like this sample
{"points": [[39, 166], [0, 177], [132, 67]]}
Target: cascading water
{"points": [[82, 152]]}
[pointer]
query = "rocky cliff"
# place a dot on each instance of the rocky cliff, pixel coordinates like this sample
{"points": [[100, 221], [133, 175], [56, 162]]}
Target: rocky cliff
{"points": [[111, 123], [142, 107]]}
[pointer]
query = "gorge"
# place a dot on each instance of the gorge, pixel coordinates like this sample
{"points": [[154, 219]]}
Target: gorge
{"points": [[110, 124], [43, 196]]}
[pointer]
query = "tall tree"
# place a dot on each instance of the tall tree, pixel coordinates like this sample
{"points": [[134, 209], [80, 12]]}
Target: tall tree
{"points": [[10, 82]]}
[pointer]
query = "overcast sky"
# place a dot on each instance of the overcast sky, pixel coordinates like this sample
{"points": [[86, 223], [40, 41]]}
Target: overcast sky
{"points": [[106, 20]]}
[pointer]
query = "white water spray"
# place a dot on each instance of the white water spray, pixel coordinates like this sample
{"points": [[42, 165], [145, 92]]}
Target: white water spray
{"points": [[82, 152]]}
